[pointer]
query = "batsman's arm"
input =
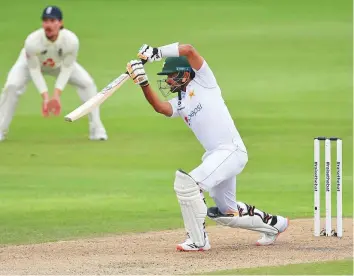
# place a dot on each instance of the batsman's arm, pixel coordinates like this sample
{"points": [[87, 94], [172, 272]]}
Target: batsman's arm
{"points": [[194, 58], [187, 50], [202, 70], [152, 54], [136, 71], [159, 106]]}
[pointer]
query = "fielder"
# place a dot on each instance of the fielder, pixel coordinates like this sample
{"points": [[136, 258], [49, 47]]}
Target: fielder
{"points": [[200, 104], [51, 50]]}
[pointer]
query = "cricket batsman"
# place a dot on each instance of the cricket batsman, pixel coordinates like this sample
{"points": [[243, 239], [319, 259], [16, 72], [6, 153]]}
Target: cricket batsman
{"points": [[200, 104], [51, 50]]}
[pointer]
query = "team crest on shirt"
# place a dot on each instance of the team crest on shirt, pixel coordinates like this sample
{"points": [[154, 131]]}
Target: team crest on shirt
{"points": [[44, 52], [60, 52], [191, 94]]}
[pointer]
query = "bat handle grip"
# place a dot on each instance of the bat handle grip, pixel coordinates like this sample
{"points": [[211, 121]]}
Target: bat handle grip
{"points": [[143, 61]]}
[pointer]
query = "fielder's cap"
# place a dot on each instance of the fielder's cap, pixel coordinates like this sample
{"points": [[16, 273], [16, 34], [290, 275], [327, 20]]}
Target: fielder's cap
{"points": [[175, 64], [52, 12]]}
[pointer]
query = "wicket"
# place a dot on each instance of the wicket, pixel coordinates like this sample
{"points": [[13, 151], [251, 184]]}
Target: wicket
{"points": [[317, 183]]}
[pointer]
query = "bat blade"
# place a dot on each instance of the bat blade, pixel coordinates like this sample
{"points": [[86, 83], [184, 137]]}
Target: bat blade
{"points": [[97, 100]]}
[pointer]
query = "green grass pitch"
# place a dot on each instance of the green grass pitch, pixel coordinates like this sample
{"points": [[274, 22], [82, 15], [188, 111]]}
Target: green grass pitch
{"points": [[344, 267]]}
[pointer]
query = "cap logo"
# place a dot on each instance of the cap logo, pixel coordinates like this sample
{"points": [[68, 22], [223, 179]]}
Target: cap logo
{"points": [[183, 68], [49, 10]]}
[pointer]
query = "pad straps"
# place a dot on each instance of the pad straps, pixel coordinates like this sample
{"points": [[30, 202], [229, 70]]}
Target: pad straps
{"points": [[251, 211]]}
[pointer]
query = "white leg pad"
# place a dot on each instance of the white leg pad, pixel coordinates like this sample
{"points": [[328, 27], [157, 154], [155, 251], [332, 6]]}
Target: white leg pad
{"points": [[192, 205], [254, 222]]}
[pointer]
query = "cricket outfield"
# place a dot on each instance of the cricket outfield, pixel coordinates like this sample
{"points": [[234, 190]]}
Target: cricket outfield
{"points": [[285, 69]]}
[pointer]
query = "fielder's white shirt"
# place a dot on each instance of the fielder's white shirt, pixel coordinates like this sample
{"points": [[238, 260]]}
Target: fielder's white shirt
{"points": [[44, 55], [204, 111]]}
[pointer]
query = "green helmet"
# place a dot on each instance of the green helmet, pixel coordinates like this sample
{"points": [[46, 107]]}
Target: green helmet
{"points": [[174, 65]]}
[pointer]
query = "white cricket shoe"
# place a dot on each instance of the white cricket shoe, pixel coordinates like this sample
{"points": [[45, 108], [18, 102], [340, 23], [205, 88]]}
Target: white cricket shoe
{"points": [[98, 134], [2, 136], [188, 245], [267, 239]]}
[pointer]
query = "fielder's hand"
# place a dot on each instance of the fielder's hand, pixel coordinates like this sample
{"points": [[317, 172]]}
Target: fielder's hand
{"points": [[45, 111], [54, 105], [136, 71], [149, 53]]}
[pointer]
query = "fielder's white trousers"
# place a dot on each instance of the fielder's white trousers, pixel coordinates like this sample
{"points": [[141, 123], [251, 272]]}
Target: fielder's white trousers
{"points": [[217, 174], [18, 78]]}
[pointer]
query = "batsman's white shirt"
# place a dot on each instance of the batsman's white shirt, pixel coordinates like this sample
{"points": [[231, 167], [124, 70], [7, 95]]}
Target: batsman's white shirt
{"points": [[204, 111]]}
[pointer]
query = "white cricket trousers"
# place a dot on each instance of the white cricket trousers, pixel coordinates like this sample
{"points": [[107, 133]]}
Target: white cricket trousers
{"points": [[217, 174], [18, 78]]}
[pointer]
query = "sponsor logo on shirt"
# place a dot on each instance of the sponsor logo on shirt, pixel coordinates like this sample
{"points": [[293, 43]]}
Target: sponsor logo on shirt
{"points": [[49, 62], [180, 106], [193, 113]]}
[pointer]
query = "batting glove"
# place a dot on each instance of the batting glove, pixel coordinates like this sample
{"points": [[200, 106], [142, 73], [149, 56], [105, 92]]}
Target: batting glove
{"points": [[149, 53], [136, 71]]}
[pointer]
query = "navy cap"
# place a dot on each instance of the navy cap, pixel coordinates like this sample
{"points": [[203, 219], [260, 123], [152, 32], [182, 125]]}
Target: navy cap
{"points": [[53, 12]]}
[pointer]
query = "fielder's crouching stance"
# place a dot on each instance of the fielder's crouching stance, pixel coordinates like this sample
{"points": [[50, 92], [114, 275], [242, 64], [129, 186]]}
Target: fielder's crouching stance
{"points": [[50, 50], [200, 104]]}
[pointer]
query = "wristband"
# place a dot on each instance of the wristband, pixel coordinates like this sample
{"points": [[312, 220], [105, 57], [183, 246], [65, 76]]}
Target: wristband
{"points": [[144, 84], [170, 50]]}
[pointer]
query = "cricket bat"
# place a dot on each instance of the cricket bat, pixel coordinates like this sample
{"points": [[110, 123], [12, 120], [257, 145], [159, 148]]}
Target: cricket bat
{"points": [[99, 98]]}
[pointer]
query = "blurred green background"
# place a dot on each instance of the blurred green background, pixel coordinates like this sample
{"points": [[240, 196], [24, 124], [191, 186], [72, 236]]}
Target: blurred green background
{"points": [[285, 69]]}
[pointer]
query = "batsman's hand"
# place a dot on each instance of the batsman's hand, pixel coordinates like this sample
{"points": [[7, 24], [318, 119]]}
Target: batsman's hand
{"points": [[136, 71], [149, 53]]}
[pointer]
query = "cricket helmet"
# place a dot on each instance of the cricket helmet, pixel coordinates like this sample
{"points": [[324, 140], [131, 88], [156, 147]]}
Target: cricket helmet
{"points": [[174, 65], [179, 65]]}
